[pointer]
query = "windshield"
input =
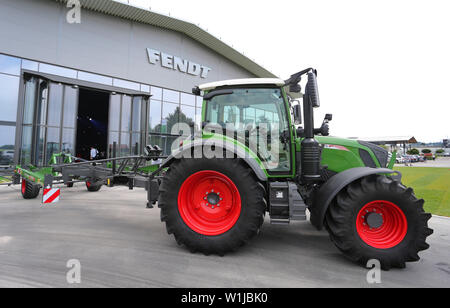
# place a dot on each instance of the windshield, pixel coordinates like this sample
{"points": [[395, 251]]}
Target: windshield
{"points": [[257, 115], [247, 108]]}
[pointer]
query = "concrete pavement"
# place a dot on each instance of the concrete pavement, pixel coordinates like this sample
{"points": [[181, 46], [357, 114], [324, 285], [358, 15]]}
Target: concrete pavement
{"points": [[121, 244]]}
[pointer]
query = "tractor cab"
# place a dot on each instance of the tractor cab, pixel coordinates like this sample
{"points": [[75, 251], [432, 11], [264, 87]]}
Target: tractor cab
{"points": [[258, 113], [245, 104]]}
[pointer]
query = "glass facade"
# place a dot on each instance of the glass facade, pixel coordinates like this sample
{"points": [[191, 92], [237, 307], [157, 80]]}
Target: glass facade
{"points": [[50, 113], [167, 108], [9, 89], [126, 125], [7, 136], [95, 78], [57, 70], [10, 65]]}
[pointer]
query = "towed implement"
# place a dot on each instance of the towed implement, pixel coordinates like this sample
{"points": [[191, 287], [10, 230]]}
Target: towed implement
{"points": [[131, 171]]}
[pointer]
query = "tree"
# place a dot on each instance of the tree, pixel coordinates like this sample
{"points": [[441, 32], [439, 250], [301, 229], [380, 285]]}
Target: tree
{"points": [[7, 147], [426, 151], [413, 152], [168, 122], [440, 151]]}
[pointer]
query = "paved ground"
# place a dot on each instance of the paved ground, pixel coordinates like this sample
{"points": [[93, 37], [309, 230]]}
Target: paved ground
{"points": [[121, 244], [440, 162]]}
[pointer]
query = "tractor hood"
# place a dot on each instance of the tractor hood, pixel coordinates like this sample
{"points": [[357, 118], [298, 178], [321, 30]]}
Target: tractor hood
{"points": [[337, 141], [341, 154]]}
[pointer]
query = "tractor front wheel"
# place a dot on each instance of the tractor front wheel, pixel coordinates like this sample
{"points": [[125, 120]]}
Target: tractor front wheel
{"points": [[378, 218], [212, 206], [29, 190]]}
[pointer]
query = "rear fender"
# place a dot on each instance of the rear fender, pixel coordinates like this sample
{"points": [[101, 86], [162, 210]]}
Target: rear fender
{"points": [[328, 191], [198, 145]]}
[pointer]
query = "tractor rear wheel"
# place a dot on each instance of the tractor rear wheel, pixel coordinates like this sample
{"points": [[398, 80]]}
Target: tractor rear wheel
{"points": [[378, 218], [29, 190], [212, 206]]}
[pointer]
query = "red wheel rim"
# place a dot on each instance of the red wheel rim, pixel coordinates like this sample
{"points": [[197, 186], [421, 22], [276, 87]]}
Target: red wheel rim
{"points": [[391, 228], [24, 186], [209, 203]]}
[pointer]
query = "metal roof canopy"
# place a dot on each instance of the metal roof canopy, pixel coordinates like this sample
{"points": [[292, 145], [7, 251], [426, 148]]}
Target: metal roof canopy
{"points": [[138, 14], [389, 140], [85, 84]]}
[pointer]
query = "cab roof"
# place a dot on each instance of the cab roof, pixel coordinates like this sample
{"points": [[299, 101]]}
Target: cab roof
{"points": [[239, 82]]}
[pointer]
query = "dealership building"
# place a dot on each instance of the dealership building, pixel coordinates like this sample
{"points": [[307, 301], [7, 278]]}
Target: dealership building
{"points": [[106, 73]]}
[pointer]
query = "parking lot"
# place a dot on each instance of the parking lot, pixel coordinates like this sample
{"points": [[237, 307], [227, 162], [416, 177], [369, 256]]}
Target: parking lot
{"points": [[120, 243], [440, 162]]}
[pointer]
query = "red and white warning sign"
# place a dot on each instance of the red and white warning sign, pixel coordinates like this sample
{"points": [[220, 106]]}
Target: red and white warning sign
{"points": [[51, 195]]}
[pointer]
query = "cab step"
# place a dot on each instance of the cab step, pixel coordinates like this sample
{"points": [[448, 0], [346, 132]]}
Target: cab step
{"points": [[286, 203]]}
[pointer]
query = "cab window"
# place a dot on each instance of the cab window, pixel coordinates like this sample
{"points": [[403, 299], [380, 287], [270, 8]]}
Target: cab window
{"points": [[256, 115]]}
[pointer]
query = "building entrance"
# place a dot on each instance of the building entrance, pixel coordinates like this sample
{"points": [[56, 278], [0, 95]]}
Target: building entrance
{"points": [[92, 123]]}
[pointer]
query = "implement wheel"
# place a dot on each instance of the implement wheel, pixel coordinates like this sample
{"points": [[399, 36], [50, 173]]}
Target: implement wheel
{"points": [[212, 205], [93, 187], [379, 218], [29, 190]]}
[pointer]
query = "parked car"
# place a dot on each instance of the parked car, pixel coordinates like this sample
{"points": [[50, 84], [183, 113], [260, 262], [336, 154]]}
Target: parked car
{"points": [[409, 159], [5, 159], [9, 153], [399, 160]]}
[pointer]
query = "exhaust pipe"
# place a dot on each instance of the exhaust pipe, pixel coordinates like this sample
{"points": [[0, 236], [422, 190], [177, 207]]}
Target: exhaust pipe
{"points": [[310, 151]]}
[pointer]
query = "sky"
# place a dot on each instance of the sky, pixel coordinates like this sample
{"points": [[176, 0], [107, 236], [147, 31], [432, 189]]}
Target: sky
{"points": [[383, 66]]}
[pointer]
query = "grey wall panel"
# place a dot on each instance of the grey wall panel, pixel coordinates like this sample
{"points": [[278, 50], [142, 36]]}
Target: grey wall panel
{"points": [[37, 29], [22, 28]]}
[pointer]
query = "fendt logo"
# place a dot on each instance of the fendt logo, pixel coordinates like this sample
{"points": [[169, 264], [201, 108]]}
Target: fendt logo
{"points": [[177, 63]]}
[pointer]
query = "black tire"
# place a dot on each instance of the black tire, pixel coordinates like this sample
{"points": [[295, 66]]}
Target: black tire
{"points": [[93, 187], [69, 184], [341, 222], [29, 190], [251, 216]]}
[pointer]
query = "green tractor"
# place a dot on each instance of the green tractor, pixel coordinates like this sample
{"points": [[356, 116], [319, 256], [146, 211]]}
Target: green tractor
{"points": [[252, 157]]}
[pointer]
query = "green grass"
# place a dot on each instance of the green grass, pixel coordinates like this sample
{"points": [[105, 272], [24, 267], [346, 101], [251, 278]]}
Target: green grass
{"points": [[430, 184], [5, 179]]}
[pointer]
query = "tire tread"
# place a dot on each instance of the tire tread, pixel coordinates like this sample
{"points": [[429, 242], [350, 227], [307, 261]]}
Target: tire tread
{"points": [[339, 222]]}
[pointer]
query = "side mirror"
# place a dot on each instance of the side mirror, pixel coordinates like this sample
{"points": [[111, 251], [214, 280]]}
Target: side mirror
{"points": [[295, 88], [324, 130], [196, 91], [297, 114]]}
